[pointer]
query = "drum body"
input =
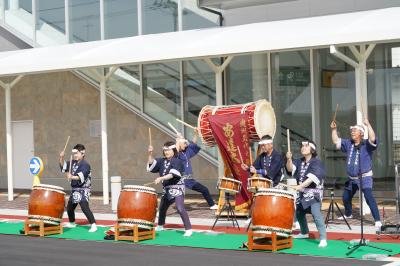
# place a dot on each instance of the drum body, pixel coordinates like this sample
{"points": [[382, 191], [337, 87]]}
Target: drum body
{"points": [[137, 205], [255, 183], [229, 185], [46, 203], [273, 211], [261, 120]]}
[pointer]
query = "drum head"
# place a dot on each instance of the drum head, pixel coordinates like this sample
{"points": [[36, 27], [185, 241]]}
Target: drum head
{"points": [[139, 189], [264, 119], [49, 187]]}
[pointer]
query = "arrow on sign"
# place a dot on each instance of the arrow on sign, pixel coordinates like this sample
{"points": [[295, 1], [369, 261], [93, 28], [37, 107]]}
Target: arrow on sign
{"points": [[35, 166]]}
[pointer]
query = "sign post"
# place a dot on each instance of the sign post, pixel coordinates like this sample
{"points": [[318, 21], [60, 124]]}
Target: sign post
{"points": [[36, 168]]}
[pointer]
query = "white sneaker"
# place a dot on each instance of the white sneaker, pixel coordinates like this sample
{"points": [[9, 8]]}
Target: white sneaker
{"points": [[347, 217], [214, 207], [296, 226], [69, 225], [93, 228], [378, 226], [248, 221], [159, 228], [323, 243], [301, 236], [188, 233]]}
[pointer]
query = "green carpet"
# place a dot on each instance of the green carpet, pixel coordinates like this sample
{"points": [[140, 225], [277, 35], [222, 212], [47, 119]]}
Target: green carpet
{"points": [[335, 249]]}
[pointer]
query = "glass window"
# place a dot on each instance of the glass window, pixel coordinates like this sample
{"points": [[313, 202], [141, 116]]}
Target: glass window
{"points": [[291, 98], [161, 88], [159, 16], [50, 24], [336, 85], [196, 18], [247, 78], [125, 82], [199, 91], [18, 14], [120, 18], [384, 110], [84, 20]]}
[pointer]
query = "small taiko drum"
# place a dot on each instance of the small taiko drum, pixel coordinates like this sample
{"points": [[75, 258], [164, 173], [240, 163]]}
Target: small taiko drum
{"points": [[261, 120], [229, 185], [46, 203], [273, 211], [137, 205], [255, 183]]}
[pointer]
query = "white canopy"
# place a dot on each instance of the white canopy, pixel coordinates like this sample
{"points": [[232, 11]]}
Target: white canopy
{"points": [[373, 26]]}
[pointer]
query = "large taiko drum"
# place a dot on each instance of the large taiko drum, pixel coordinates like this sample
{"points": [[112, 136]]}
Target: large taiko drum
{"points": [[46, 203], [273, 211], [255, 183], [229, 185], [261, 120], [137, 205]]}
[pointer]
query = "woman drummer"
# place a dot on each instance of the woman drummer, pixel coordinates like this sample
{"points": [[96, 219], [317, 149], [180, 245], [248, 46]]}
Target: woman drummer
{"points": [[170, 169], [309, 173]]}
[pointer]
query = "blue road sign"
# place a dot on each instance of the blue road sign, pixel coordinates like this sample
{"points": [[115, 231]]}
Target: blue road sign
{"points": [[36, 166]]}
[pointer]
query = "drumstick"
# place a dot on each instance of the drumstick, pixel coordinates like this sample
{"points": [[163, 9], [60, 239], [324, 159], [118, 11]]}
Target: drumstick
{"points": [[148, 184], [150, 137], [173, 128], [186, 124], [240, 155], [288, 139], [66, 144], [334, 115], [363, 110]]}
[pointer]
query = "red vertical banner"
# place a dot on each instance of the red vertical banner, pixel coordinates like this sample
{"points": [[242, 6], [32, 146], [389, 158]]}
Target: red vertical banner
{"points": [[231, 134]]}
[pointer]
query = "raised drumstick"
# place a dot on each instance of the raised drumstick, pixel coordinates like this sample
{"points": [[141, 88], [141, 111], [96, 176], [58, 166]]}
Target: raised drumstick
{"points": [[66, 144], [334, 115], [240, 155], [288, 139], [186, 124], [173, 128], [150, 137]]}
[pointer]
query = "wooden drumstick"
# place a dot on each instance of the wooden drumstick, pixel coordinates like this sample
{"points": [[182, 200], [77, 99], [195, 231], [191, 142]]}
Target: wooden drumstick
{"points": [[186, 124], [150, 137], [240, 155], [173, 128], [66, 144], [151, 183], [288, 139], [363, 110], [334, 115]]}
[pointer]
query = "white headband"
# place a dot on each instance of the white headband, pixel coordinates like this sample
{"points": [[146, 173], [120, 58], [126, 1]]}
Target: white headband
{"points": [[358, 127], [309, 144], [169, 147], [265, 141], [75, 151]]}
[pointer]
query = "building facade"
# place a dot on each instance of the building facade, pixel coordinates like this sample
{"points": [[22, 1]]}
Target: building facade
{"points": [[303, 85]]}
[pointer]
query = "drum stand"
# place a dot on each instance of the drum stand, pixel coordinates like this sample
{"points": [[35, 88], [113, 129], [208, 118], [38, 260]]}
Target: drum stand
{"points": [[137, 233], [331, 211], [41, 229], [230, 212]]}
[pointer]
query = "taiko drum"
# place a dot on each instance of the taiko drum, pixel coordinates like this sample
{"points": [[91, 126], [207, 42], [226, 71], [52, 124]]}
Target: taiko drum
{"points": [[137, 205], [273, 211], [46, 203]]}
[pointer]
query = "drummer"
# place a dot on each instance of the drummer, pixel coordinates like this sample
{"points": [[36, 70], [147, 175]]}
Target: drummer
{"points": [[170, 169], [309, 172], [187, 150], [269, 163], [80, 179]]}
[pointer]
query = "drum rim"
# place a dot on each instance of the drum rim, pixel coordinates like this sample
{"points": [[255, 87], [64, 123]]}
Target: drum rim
{"points": [[259, 178], [230, 179], [274, 190], [257, 110], [138, 186], [199, 125], [48, 186]]}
